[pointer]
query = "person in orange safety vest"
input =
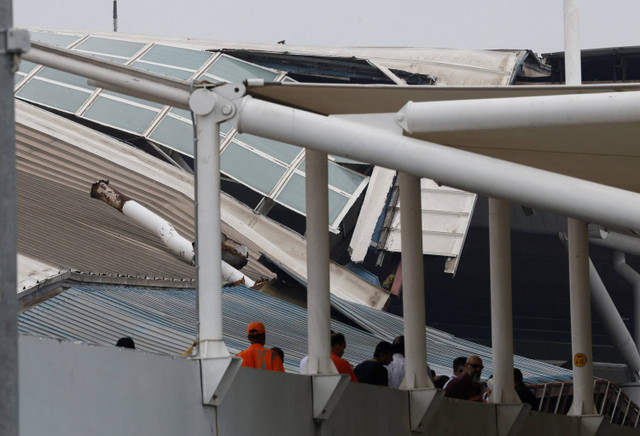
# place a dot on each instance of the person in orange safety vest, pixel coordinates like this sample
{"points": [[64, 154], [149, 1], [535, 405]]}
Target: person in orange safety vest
{"points": [[257, 356]]}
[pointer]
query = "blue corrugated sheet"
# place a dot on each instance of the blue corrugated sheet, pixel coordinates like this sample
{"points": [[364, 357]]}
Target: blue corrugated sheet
{"points": [[164, 321]]}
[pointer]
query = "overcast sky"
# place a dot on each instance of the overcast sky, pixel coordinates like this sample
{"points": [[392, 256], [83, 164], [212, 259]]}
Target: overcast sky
{"points": [[533, 24]]}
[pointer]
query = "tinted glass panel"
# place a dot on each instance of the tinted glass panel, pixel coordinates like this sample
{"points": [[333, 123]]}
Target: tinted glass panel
{"points": [[281, 151], [61, 76], [175, 134], [121, 115], [337, 202], [26, 66], [293, 193], [134, 99], [110, 46], [235, 70], [250, 168], [162, 54], [343, 179], [54, 39], [167, 71], [57, 96]]}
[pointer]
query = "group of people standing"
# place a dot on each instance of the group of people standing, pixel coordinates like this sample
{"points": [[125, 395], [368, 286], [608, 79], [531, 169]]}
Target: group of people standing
{"points": [[385, 368]]}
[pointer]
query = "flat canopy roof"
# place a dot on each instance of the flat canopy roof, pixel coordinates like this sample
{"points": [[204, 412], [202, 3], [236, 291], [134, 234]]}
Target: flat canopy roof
{"points": [[606, 153]]}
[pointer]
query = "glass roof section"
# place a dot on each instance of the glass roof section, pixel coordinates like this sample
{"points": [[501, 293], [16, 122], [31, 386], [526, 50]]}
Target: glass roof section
{"points": [[271, 168]]}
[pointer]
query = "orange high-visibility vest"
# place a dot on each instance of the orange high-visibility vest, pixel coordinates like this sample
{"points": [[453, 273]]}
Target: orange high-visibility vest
{"points": [[257, 356]]}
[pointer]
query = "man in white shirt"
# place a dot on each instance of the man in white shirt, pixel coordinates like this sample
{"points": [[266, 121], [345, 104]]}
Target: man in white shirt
{"points": [[396, 368]]}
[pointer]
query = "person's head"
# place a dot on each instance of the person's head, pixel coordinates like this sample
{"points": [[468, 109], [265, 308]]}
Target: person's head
{"points": [[279, 352], [126, 342], [256, 333], [517, 376], [383, 353], [458, 365], [440, 380], [338, 344], [474, 368], [398, 345]]}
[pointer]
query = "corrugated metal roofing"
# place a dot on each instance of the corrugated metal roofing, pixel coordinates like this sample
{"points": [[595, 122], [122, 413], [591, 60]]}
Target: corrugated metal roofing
{"points": [[164, 321]]}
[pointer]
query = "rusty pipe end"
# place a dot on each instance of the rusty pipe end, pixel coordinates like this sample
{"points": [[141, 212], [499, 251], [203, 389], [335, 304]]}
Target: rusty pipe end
{"points": [[102, 191]]}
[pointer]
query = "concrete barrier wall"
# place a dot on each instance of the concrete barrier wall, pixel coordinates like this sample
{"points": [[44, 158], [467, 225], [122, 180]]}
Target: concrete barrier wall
{"points": [[74, 389]]}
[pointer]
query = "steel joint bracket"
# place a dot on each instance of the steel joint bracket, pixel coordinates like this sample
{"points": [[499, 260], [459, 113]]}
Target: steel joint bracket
{"points": [[423, 404], [326, 392], [510, 417], [14, 41], [217, 375], [217, 101]]}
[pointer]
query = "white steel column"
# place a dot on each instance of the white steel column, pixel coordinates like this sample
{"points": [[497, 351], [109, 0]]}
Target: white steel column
{"points": [[581, 340], [208, 242], [413, 284], [501, 303], [217, 366], [318, 302], [580, 299]]}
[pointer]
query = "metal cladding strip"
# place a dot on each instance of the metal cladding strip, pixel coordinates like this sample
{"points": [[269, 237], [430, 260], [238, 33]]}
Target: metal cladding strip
{"points": [[442, 347]]}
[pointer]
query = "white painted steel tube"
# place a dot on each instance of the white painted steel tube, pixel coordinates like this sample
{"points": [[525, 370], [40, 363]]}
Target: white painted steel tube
{"points": [[572, 61], [580, 300], [612, 321], [161, 227], [633, 277], [501, 303], [109, 74], [504, 113], [457, 168], [208, 239], [9, 402], [318, 301], [619, 242], [413, 307]]}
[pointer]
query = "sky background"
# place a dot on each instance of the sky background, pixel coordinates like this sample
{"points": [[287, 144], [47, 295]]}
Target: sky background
{"points": [[508, 24]]}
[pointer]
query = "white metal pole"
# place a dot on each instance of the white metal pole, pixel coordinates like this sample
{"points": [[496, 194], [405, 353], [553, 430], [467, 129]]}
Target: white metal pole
{"points": [[612, 321], [8, 240], [581, 340], [456, 168], [518, 112], [318, 301], [633, 277], [208, 239], [501, 303], [580, 300], [413, 306]]}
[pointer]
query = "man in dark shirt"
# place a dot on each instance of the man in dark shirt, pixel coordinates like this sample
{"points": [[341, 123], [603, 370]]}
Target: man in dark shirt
{"points": [[373, 371], [467, 386], [525, 395]]}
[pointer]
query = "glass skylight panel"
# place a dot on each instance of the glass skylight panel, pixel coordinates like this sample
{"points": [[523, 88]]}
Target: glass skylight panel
{"points": [[140, 101], [344, 179], [53, 95], [281, 151], [293, 196], [250, 169], [174, 133], [26, 67], [235, 70], [54, 38], [161, 69], [120, 115], [65, 78], [111, 47], [179, 57]]}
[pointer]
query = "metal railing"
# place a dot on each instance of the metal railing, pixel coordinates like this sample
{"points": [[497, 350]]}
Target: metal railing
{"points": [[609, 398]]}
